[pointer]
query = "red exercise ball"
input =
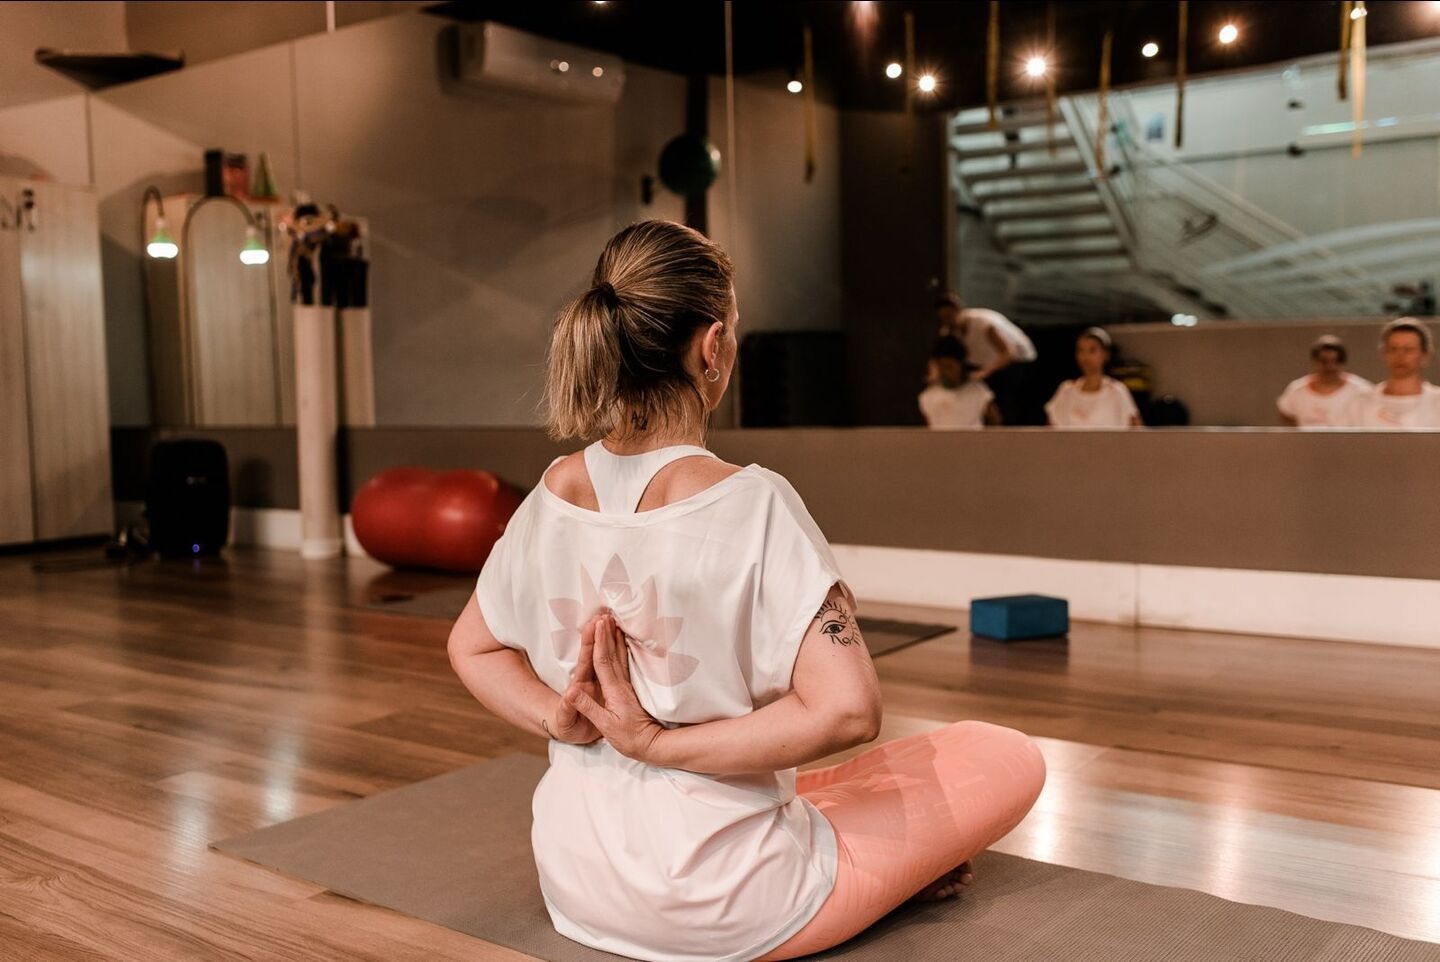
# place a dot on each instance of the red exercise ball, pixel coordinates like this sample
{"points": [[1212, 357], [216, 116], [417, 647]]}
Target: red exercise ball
{"points": [[419, 517]]}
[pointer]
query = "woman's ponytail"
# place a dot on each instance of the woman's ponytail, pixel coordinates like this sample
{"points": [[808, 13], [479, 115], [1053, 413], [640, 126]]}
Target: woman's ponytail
{"points": [[617, 357], [584, 366]]}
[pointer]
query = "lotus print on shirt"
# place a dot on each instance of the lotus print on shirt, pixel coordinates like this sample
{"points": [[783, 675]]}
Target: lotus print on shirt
{"points": [[648, 634]]}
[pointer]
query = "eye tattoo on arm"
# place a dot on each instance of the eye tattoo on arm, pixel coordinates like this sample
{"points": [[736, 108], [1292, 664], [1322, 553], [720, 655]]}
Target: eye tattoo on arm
{"points": [[836, 622]]}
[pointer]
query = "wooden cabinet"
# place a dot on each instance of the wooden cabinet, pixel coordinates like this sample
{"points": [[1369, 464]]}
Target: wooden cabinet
{"points": [[54, 400]]}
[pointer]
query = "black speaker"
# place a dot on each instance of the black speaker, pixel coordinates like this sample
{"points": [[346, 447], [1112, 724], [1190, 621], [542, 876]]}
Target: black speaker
{"points": [[187, 497], [793, 379]]}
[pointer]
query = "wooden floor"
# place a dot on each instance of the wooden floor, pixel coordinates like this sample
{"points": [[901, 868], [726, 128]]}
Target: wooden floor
{"points": [[147, 711]]}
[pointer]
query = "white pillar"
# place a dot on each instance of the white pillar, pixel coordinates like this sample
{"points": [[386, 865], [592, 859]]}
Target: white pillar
{"points": [[358, 370], [316, 421]]}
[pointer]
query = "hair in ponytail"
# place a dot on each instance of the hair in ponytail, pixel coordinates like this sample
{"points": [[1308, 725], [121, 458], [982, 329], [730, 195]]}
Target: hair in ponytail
{"points": [[616, 360]]}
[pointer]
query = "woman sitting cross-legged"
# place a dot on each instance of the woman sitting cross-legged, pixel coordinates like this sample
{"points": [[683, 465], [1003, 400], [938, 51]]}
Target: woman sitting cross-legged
{"points": [[679, 629]]}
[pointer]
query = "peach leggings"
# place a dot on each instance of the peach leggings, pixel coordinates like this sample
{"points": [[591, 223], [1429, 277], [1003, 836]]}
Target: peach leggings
{"points": [[908, 811]]}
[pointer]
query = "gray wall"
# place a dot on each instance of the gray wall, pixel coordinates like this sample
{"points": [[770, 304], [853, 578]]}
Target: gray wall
{"points": [[26, 25], [210, 30], [1230, 373], [894, 257], [1269, 500], [487, 209]]}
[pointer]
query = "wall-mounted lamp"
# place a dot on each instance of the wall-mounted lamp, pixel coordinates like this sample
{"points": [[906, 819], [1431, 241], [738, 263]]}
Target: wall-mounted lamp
{"points": [[161, 244], [254, 251]]}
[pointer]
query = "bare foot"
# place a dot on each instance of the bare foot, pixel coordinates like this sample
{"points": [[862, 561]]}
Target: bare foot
{"points": [[946, 886]]}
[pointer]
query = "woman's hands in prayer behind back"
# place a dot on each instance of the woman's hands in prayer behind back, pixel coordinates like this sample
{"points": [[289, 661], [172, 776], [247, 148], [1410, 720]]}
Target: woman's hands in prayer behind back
{"points": [[617, 714], [567, 724]]}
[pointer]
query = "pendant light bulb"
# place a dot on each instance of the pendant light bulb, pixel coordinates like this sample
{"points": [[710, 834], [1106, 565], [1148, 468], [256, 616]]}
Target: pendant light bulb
{"points": [[162, 245], [254, 252]]}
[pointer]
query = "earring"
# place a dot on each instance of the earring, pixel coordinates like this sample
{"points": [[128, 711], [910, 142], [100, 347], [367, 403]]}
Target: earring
{"points": [[712, 374]]}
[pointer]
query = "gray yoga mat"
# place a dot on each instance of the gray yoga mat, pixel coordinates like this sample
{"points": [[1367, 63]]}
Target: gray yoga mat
{"points": [[455, 850], [881, 636]]}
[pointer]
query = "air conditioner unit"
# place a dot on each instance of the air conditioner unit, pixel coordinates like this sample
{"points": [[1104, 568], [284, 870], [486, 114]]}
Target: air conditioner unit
{"points": [[491, 55]]}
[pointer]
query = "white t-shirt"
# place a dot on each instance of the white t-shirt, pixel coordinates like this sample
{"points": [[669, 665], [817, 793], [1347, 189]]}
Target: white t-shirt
{"points": [[716, 592], [952, 408], [1373, 408], [1310, 409], [1110, 407], [979, 321]]}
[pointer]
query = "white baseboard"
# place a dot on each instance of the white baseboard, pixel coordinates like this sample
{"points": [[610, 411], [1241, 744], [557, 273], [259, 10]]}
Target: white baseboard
{"points": [[1385, 611], [1096, 590], [1391, 611]]}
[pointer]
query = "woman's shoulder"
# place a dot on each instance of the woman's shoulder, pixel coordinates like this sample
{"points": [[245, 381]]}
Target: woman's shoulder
{"points": [[689, 476], [569, 478]]}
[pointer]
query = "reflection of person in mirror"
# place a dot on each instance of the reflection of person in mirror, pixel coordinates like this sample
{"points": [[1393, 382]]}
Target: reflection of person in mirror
{"points": [[998, 350], [1093, 400], [1404, 399], [1320, 399], [953, 398]]}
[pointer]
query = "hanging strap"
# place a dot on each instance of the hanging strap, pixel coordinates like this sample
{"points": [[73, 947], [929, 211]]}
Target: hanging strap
{"points": [[620, 480]]}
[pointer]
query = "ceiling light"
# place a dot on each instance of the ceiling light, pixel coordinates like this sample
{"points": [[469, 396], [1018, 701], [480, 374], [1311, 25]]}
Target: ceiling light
{"points": [[927, 83], [1228, 33], [254, 251], [162, 245], [598, 72], [794, 86], [1035, 66], [1150, 49], [893, 70], [1357, 12]]}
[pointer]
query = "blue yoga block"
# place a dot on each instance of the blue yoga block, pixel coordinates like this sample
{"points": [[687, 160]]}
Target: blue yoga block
{"points": [[1017, 617]]}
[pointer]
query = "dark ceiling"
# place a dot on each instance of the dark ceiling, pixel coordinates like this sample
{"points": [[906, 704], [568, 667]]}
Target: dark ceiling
{"points": [[689, 35]]}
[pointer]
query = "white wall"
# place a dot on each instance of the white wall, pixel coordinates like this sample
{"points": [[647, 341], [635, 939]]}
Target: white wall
{"points": [[26, 25], [1237, 129], [211, 29], [487, 209]]}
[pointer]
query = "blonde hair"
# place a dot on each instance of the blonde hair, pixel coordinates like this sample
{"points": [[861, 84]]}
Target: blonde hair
{"points": [[616, 360]]}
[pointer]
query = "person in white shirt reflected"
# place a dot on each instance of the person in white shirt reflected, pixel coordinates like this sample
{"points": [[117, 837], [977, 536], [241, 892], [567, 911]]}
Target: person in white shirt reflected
{"points": [[1093, 400], [1404, 399], [1320, 398], [955, 397]]}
